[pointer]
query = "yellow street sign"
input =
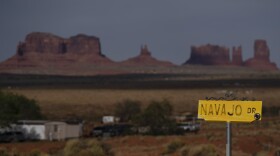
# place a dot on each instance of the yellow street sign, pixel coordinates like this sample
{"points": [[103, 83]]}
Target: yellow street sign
{"points": [[230, 111]]}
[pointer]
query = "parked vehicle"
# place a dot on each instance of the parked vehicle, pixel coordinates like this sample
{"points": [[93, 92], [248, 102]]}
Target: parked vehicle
{"points": [[189, 126], [12, 136], [112, 130]]}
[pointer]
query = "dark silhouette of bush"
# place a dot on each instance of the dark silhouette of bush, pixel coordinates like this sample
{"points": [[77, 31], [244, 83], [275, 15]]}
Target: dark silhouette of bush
{"points": [[128, 110], [17, 107], [157, 118]]}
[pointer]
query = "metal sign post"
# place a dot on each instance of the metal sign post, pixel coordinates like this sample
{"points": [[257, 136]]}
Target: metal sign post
{"points": [[228, 146]]}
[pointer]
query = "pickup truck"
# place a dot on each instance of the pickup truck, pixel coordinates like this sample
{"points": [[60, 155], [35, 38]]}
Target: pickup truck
{"points": [[111, 130], [189, 126], [12, 136]]}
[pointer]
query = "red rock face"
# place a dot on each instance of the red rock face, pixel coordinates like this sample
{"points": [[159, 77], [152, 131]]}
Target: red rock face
{"points": [[216, 55], [237, 56], [45, 53], [82, 54], [261, 50], [209, 55], [41, 43], [83, 44], [145, 59], [44, 49], [261, 57], [49, 43]]}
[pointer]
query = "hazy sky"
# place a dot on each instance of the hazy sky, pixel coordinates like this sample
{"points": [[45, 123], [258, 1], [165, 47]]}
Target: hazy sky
{"points": [[168, 27]]}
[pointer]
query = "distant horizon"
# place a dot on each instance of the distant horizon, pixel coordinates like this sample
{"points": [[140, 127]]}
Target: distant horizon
{"points": [[168, 28], [187, 58]]}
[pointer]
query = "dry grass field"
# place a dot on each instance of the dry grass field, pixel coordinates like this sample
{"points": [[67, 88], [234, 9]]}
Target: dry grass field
{"points": [[93, 103]]}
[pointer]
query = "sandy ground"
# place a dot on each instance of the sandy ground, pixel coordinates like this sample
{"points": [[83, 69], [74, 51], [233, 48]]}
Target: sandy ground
{"points": [[247, 139]]}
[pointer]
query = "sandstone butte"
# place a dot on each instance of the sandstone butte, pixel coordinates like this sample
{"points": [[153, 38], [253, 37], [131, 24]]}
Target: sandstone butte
{"points": [[261, 57], [44, 49], [47, 52], [237, 56], [217, 55], [145, 59], [209, 55]]}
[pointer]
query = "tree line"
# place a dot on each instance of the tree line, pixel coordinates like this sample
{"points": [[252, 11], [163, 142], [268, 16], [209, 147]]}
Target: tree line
{"points": [[14, 107], [156, 116]]}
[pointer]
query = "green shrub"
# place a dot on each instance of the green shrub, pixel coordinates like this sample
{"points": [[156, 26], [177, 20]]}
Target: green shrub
{"points": [[185, 150], [72, 147], [4, 151], [85, 148], [173, 146], [157, 117], [261, 153], [95, 148], [14, 152], [128, 110], [17, 107], [202, 150], [37, 153]]}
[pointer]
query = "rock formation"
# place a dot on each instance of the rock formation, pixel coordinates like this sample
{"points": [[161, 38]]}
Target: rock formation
{"points": [[261, 57], [216, 55], [44, 49], [45, 53], [209, 55], [261, 50], [40, 43], [237, 56], [145, 59]]}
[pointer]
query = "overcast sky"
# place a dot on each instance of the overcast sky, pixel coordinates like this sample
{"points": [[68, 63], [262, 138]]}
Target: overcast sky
{"points": [[168, 27]]}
